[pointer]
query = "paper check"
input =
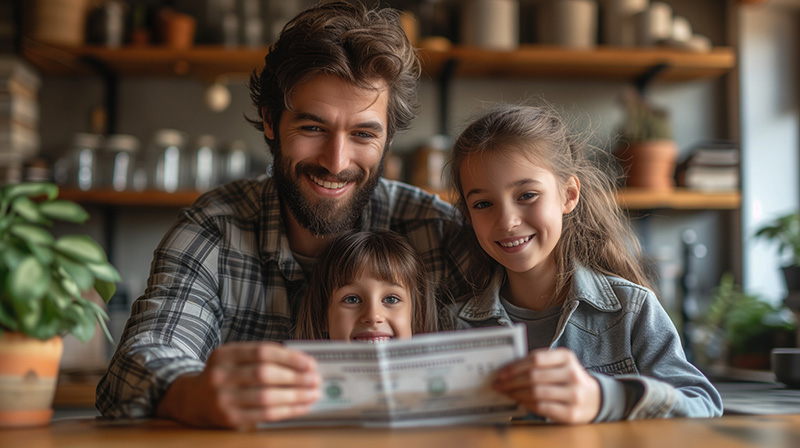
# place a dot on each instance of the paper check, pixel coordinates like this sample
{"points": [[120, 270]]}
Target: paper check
{"points": [[433, 379]]}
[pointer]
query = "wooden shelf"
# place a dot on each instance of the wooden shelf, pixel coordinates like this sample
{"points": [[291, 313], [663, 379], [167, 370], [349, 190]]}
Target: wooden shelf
{"points": [[130, 198], [529, 61], [602, 63], [630, 198], [679, 199]]}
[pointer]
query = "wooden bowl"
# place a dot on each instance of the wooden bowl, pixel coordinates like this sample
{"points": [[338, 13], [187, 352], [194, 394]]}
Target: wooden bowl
{"points": [[786, 366]]}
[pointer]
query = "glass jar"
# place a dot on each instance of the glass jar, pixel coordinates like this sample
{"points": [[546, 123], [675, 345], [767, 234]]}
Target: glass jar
{"points": [[165, 155], [119, 160], [204, 162], [237, 161], [82, 161]]}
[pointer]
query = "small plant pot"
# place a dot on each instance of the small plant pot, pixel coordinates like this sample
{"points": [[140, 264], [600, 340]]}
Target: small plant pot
{"points": [[28, 375], [650, 164]]}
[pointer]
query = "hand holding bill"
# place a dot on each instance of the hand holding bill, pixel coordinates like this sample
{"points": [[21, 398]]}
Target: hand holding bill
{"points": [[552, 384], [244, 384]]}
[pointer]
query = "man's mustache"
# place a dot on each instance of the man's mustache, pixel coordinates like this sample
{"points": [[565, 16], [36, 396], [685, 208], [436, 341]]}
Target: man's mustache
{"points": [[355, 176]]}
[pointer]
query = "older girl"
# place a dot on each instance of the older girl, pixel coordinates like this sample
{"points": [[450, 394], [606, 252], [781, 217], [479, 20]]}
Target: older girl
{"points": [[563, 260]]}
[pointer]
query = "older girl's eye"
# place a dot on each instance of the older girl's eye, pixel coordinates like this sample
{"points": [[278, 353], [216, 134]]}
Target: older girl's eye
{"points": [[527, 196], [391, 300], [481, 204], [351, 300]]}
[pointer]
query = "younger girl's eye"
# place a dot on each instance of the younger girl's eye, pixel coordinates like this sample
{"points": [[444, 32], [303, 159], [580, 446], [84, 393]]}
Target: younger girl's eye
{"points": [[391, 300], [481, 204], [351, 300], [527, 196]]}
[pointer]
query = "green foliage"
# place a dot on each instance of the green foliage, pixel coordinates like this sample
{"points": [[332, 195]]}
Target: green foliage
{"points": [[786, 231], [744, 319], [43, 278], [643, 121]]}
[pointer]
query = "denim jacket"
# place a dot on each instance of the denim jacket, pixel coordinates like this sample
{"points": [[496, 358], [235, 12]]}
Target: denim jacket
{"points": [[620, 332]]}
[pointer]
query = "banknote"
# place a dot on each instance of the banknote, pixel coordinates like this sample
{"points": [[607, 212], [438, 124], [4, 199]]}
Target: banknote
{"points": [[433, 379]]}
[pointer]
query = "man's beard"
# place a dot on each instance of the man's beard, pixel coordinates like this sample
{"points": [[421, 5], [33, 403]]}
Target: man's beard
{"points": [[324, 216]]}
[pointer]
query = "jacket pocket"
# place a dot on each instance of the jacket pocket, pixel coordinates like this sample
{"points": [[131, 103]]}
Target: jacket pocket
{"points": [[626, 366]]}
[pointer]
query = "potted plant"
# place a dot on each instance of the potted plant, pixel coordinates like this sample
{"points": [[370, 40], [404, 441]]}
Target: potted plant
{"points": [[43, 281], [747, 326], [646, 151]]}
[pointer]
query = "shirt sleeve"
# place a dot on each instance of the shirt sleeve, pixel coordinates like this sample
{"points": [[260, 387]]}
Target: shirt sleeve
{"points": [[173, 327]]}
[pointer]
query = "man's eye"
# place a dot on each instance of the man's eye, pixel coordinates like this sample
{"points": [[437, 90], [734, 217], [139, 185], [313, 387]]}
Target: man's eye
{"points": [[365, 135], [312, 128], [351, 299], [391, 300], [481, 204]]}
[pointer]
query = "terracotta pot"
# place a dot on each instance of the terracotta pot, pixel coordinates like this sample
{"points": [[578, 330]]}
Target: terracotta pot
{"points": [[650, 164], [28, 375]]}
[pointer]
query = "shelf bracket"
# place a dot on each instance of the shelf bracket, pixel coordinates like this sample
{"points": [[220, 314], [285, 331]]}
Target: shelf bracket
{"points": [[110, 94], [644, 80], [445, 80]]}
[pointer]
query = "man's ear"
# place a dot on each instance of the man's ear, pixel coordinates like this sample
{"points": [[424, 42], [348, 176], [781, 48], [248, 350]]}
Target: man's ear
{"points": [[572, 194], [266, 119]]}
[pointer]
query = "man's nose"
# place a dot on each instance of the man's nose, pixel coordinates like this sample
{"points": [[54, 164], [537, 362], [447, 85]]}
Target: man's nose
{"points": [[336, 154]]}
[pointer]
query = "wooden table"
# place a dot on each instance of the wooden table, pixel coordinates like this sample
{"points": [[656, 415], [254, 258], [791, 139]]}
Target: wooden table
{"points": [[774, 431]]}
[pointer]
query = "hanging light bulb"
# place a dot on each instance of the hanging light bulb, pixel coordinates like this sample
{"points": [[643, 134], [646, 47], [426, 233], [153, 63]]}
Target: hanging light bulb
{"points": [[218, 96]]}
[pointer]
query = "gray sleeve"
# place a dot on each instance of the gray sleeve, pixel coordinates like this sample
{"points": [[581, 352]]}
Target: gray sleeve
{"points": [[618, 398]]}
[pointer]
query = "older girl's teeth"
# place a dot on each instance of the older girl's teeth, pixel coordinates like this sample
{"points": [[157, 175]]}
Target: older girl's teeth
{"points": [[516, 243], [327, 184]]}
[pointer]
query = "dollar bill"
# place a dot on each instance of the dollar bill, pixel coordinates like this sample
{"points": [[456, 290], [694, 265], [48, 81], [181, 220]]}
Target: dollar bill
{"points": [[433, 379]]}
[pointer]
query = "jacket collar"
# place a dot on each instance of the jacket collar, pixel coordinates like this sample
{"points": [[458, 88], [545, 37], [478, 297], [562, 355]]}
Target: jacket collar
{"points": [[587, 286]]}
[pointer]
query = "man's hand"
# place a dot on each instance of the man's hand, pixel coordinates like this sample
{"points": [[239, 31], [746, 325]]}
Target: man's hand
{"points": [[243, 384], [552, 384]]}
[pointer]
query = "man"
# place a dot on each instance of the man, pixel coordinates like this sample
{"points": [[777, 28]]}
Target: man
{"points": [[228, 277]]}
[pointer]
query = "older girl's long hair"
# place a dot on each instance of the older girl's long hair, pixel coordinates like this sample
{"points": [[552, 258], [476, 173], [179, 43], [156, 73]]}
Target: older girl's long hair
{"points": [[596, 234], [388, 256]]}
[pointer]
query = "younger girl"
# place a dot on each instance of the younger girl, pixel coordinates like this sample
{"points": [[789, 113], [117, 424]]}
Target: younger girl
{"points": [[367, 287], [602, 347]]}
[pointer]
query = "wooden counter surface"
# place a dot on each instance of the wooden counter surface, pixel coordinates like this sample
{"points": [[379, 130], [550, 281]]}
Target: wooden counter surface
{"points": [[774, 431]]}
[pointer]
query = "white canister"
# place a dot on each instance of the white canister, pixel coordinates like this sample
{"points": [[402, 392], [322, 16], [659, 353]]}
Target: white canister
{"points": [[681, 29], [573, 23], [491, 24], [619, 21], [654, 24]]}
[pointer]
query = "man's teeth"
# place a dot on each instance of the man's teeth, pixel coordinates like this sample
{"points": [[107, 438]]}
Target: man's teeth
{"points": [[515, 242], [374, 340], [327, 184]]}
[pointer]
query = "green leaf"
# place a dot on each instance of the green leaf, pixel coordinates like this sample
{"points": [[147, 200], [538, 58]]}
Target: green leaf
{"points": [[69, 285], [28, 313], [80, 248], [12, 257], [104, 271], [64, 211], [105, 288], [27, 209], [30, 189], [102, 317], [44, 254], [7, 319], [32, 234], [81, 274], [83, 325], [29, 281], [59, 296]]}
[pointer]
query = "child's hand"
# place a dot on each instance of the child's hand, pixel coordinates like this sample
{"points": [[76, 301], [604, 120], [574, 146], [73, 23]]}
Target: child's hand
{"points": [[552, 384]]}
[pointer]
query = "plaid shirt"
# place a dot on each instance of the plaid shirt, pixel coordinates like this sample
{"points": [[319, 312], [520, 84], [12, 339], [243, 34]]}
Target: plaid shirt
{"points": [[224, 272]]}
